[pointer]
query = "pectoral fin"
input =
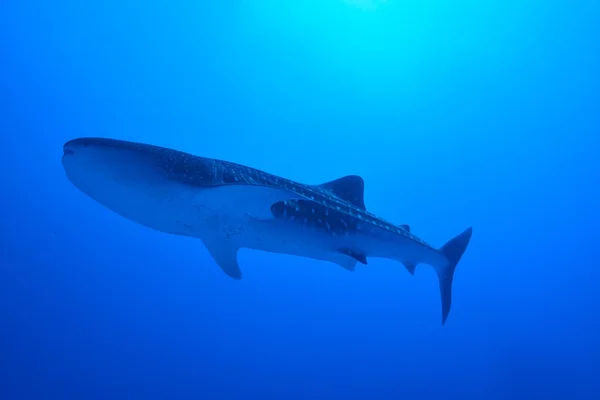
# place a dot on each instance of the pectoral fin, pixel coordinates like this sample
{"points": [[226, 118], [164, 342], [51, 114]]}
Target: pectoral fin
{"points": [[349, 264], [410, 267], [358, 256], [225, 255]]}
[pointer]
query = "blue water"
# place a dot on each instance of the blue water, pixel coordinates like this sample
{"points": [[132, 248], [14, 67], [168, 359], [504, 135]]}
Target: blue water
{"points": [[456, 113]]}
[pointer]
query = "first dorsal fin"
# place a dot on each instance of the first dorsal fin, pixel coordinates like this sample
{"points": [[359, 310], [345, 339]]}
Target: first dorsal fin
{"points": [[350, 188]]}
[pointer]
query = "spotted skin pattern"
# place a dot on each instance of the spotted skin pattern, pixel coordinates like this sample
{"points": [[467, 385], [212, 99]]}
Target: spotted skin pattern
{"points": [[320, 207]]}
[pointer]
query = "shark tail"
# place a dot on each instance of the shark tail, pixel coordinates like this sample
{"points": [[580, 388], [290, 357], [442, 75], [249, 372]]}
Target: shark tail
{"points": [[453, 251]]}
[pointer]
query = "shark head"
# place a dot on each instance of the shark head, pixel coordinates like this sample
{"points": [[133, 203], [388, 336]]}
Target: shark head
{"points": [[99, 161], [99, 167], [137, 181]]}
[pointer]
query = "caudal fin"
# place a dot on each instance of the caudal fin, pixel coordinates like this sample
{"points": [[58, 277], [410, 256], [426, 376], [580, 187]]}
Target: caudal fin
{"points": [[453, 251]]}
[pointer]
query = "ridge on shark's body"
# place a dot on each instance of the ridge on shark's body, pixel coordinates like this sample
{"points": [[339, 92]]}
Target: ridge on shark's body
{"points": [[230, 206]]}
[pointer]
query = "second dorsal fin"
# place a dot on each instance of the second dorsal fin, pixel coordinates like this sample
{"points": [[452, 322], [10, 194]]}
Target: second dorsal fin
{"points": [[350, 188]]}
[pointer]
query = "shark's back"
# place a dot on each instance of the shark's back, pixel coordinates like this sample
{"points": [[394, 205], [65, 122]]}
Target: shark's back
{"points": [[190, 169]]}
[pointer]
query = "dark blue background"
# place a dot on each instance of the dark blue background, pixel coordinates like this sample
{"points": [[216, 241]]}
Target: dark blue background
{"points": [[455, 113]]}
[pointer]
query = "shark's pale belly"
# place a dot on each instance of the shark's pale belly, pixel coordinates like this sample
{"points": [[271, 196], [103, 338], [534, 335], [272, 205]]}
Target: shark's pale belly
{"points": [[241, 217], [237, 216], [232, 216]]}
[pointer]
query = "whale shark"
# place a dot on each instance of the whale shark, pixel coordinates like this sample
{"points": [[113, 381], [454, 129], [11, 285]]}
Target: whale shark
{"points": [[230, 206]]}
